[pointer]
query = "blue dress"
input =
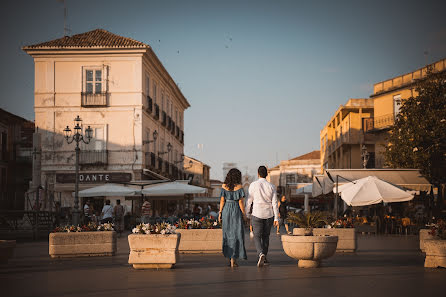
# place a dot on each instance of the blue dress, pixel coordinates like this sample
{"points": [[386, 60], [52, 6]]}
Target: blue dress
{"points": [[232, 225]]}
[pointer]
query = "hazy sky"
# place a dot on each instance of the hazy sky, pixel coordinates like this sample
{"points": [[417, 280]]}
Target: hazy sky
{"points": [[263, 77]]}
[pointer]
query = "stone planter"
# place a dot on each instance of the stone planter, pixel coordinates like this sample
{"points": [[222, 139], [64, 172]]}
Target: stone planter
{"points": [[309, 250], [435, 253], [6, 250], [347, 240], [153, 250], [424, 235], [196, 241], [80, 244]]}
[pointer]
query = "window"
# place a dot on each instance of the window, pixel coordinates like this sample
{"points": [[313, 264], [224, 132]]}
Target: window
{"points": [[290, 178], [147, 86], [396, 104], [93, 81], [98, 140], [154, 91]]}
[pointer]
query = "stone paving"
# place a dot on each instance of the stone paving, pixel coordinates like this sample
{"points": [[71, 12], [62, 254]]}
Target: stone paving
{"points": [[382, 266]]}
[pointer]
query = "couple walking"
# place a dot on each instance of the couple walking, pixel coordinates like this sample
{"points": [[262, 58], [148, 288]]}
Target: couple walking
{"points": [[261, 207]]}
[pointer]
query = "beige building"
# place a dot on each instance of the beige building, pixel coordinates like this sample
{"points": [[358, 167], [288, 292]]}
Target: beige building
{"points": [[344, 136], [199, 174], [120, 89], [364, 123], [289, 173], [388, 96]]}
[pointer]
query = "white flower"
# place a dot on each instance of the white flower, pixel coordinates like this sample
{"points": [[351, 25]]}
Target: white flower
{"points": [[215, 223], [415, 149]]}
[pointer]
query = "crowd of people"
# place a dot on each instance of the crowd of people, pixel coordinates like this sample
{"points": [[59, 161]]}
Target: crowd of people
{"points": [[108, 214]]}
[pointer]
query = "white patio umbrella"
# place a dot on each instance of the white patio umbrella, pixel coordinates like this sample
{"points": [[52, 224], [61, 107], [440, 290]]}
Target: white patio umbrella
{"points": [[172, 189], [371, 190], [109, 190]]}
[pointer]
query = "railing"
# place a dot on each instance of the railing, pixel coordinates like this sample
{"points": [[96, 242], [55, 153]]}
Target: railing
{"points": [[93, 157], [94, 100], [150, 160], [384, 121]]}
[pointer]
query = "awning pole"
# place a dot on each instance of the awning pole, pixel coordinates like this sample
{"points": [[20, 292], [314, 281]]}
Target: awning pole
{"points": [[336, 198]]}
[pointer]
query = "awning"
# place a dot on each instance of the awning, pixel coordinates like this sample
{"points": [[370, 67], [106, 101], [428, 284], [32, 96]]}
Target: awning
{"points": [[109, 190], [172, 188], [405, 178]]}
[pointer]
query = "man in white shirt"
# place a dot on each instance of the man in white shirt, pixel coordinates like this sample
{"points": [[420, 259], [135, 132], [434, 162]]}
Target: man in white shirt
{"points": [[263, 209]]}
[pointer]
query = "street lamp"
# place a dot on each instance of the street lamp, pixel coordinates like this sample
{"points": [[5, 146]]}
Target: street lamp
{"points": [[155, 136], [365, 156], [77, 137], [190, 165], [169, 148], [180, 161]]}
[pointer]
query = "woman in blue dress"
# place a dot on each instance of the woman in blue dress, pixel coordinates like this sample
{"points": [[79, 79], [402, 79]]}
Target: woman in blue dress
{"points": [[232, 215]]}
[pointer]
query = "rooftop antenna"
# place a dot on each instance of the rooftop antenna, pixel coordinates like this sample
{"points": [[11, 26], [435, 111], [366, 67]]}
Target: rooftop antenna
{"points": [[66, 30]]}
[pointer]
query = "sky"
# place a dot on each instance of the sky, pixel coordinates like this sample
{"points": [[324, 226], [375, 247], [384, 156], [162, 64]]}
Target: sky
{"points": [[262, 77]]}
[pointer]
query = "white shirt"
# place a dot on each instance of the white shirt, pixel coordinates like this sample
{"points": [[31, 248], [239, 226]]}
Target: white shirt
{"points": [[263, 198], [107, 210]]}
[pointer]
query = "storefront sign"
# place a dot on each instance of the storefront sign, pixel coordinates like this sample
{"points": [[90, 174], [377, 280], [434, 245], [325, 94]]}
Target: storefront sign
{"points": [[94, 177]]}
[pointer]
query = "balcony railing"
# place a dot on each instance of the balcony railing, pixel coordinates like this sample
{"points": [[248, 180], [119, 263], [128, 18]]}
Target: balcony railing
{"points": [[384, 121], [157, 112], [93, 157], [94, 99], [150, 160]]}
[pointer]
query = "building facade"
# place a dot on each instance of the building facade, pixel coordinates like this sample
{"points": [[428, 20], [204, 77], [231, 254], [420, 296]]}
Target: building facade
{"points": [[16, 141], [343, 137], [388, 96], [289, 173], [120, 89]]}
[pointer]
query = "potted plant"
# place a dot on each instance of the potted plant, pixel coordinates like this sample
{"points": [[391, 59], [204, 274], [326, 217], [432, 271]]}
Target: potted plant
{"points": [[309, 249], [202, 236], [153, 246], [436, 248], [85, 240]]}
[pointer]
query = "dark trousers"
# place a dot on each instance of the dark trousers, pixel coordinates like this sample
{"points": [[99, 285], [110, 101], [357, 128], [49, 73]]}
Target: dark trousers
{"points": [[261, 229]]}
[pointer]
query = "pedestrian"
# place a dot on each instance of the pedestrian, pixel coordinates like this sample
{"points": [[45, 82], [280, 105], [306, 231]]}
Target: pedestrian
{"points": [[262, 198], [107, 213], [118, 215], [87, 212], [146, 211], [232, 216], [283, 213]]}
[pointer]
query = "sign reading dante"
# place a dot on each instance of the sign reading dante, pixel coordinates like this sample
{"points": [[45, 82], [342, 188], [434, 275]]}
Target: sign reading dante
{"points": [[94, 177]]}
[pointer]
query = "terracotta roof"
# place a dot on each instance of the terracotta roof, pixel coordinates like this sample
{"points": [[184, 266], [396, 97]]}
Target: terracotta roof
{"points": [[309, 156], [98, 38]]}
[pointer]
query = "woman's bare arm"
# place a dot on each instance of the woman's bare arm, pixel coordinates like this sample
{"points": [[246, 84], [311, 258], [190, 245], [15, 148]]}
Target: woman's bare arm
{"points": [[241, 203], [222, 204]]}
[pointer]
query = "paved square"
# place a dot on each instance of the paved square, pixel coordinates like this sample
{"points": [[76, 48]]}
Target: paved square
{"points": [[383, 266]]}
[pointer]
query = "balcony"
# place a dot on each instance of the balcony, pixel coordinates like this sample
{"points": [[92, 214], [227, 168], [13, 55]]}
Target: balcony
{"points": [[150, 160], [384, 122], [182, 137], [93, 157], [149, 104], [164, 119], [160, 164], [177, 132], [157, 112], [166, 167], [94, 99]]}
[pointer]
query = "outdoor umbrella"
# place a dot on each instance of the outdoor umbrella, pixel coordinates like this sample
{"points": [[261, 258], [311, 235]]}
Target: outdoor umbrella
{"points": [[109, 190], [371, 190], [172, 189]]}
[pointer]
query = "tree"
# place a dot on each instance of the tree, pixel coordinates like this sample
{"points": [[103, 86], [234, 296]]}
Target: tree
{"points": [[418, 138]]}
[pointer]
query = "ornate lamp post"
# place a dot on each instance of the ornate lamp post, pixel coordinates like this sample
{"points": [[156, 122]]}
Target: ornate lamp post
{"points": [[365, 156], [77, 137], [154, 135], [169, 148]]}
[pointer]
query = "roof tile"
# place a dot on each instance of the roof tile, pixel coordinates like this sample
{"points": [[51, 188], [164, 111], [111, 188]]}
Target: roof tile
{"points": [[98, 38]]}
